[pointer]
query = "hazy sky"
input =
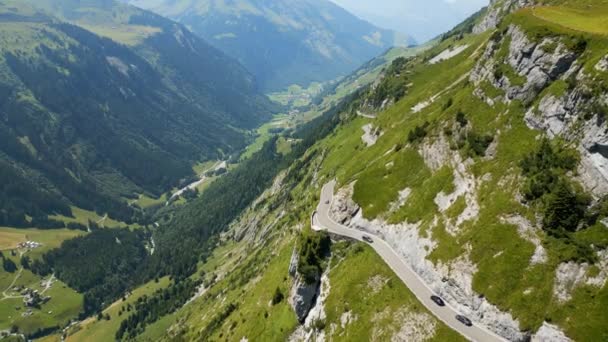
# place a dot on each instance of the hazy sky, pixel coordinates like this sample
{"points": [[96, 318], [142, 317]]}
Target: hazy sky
{"points": [[422, 19]]}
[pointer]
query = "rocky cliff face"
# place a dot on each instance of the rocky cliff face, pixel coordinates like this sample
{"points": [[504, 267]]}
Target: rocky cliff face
{"points": [[574, 114], [497, 11], [531, 66], [302, 297]]}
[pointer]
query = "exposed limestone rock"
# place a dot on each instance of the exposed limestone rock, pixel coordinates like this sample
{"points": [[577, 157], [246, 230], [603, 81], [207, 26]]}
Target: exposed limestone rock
{"points": [[318, 311], [559, 116], [492, 150], [403, 325], [457, 288], [529, 60], [490, 21], [302, 297], [532, 59], [594, 155], [593, 172], [599, 280], [248, 227], [400, 202], [567, 277], [530, 233], [479, 93], [550, 116], [370, 135], [293, 263], [378, 331], [343, 208], [437, 154], [413, 326], [307, 331], [570, 275], [602, 65], [420, 106], [497, 10], [347, 318], [465, 185], [376, 283], [550, 333]]}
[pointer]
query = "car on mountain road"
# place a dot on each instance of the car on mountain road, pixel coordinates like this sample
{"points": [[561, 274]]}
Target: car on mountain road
{"points": [[464, 320], [367, 239], [437, 300]]}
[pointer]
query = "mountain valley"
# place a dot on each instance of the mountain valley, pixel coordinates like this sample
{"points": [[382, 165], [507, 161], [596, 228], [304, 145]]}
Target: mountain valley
{"points": [[473, 167]]}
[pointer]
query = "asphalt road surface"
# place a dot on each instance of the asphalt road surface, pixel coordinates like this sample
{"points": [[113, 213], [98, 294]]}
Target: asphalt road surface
{"points": [[447, 314]]}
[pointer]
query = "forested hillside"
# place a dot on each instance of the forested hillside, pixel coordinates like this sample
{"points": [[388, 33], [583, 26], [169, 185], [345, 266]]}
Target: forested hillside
{"points": [[295, 42], [89, 121]]}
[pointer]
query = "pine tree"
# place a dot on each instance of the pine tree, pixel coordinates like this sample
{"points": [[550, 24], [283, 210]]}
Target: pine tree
{"points": [[8, 265]]}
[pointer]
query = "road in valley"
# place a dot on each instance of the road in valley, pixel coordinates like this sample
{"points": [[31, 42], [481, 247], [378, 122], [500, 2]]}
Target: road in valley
{"points": [[447, 314], [202, 178]]}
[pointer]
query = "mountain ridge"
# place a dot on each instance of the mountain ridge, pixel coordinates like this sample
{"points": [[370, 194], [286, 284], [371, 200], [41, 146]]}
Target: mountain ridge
{"points": [[294, 42], [142, 119]]}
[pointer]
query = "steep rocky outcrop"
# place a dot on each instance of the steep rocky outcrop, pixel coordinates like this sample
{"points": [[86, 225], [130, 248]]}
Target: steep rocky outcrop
{"points": [[308, 331], [370, 135], [570, 275], [602, 65], [531, 233], [497, 10], [303, 296], [550, 333], [533, 65], [560, 116], [343, 208], [537, 64]]}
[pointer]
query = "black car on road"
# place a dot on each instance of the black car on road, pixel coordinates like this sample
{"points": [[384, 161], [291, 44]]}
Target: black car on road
{"points": [[464, 320], [438, 300], [367, 239]]}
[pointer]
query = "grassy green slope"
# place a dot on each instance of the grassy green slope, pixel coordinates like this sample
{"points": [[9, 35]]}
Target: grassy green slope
{"points": [[507, 280], [65, 303], [305, 105], [246, 272], [501, 255]]}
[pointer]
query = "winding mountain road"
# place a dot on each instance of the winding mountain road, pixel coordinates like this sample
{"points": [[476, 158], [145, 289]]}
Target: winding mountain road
{"points": [[322, 221]]}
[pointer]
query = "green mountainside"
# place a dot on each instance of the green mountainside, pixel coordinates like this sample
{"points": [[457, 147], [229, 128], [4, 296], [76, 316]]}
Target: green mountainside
{"points": [[143, 115], [480, 159], [296, 42], [498, 203]]}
